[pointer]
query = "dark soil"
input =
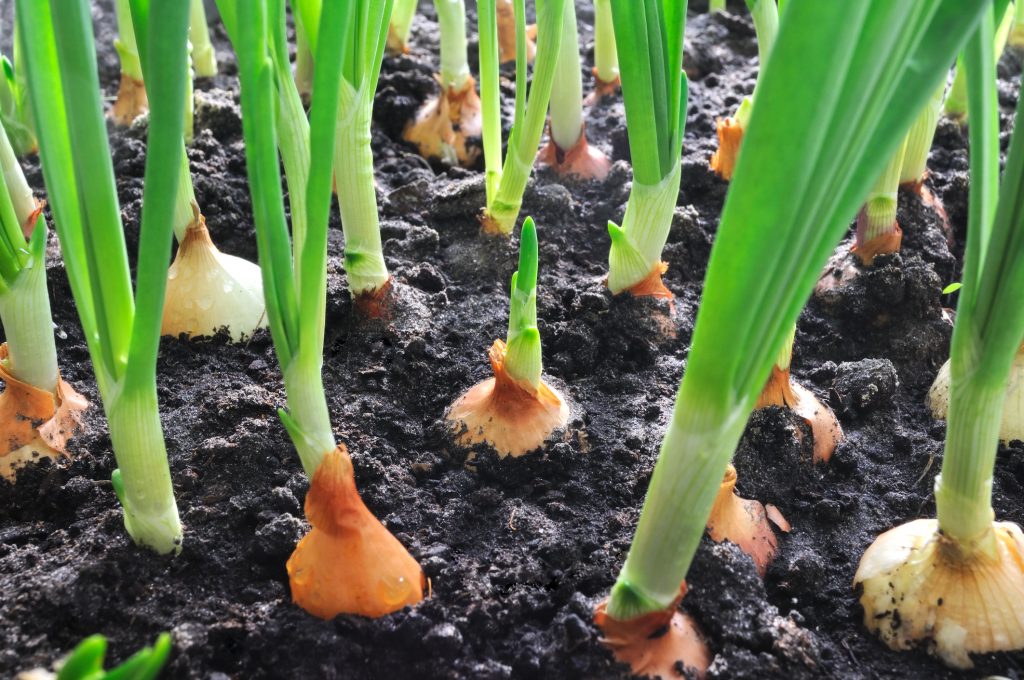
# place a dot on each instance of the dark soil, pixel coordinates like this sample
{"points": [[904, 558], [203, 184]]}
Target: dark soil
{"points": [[518, 552]]}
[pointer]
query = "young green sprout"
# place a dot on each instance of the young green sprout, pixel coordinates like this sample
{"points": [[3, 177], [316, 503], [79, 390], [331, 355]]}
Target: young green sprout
{"points": [[204, 57], [955, 107], [730, 129], [606, 60], [39, 412], [567, 151], [958, 580], [402, 15], [122, 331], [515, 411], [506, 181], [131, 99], [85, 662], [303, 71], [446, 124], [781, 390], [822, 154], [654, 89], [349, 562], [15, 112]]}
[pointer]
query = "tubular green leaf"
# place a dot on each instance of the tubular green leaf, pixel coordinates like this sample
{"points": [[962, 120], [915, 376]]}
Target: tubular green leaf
{"points": [[990, 319], [819, 136], [523, 355]]}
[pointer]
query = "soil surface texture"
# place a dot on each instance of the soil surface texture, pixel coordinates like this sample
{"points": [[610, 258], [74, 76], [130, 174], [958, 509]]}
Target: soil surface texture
{"points": [[518, 551]]}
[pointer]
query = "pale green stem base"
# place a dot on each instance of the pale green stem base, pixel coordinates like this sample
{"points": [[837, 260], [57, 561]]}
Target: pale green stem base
{"points": [[637, 245], [963, 491], [125, 45], [204, 57], [183, 211], [567, 88], [606, 59], [694, 454], [451, 16], [28, 325], [919, 139], [307, 409], [150, 512], [14, 177], [357, 198]]}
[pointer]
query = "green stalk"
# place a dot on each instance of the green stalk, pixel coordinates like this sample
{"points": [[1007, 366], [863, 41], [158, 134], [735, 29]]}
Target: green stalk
{"points": [[15, 111], [716, 5], [401, 22], [295, 281], [766, 25], [531, 111], [357, 195], [127, 49], [878, 216], [956, 100], [523, 353], [990, 320], [654, 89], [451, 15], [22, 198], [490, 94], [606, 60], [567, 86], [844, 80], [123, 333], [24, 299], [204, 57], [919, 139]]}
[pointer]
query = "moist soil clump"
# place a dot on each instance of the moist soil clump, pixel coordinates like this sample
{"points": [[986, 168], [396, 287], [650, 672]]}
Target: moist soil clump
{"points": [[518, 551]]}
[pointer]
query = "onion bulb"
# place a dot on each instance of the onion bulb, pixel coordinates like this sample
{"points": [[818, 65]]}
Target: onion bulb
{"points": [[920, 588], [1012, 426], [208, 290]]}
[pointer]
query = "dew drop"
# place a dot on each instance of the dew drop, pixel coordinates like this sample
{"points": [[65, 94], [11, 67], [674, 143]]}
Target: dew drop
{"points": [[394, 590], [172, 273], [227, 286], [204, 303]]}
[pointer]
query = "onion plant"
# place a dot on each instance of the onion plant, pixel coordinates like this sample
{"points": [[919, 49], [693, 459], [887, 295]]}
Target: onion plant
{"points": [[654, 89], [842, 86], [878, 233], [730, 130], [348, 563], [131, 99], [959, 578], [204, 57], [303, 63], [122, 331], [39, 412], [515, 411], [368, 276], [448, 125], [567, 151], [401, 22], [506, 181], [207, 290], [15, 112], [606, 60]]}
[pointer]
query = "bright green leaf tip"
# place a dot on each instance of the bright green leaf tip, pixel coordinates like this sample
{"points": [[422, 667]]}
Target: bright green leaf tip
{"points": [[526, 277], [118, 483], [952, 288], [85, 660]]}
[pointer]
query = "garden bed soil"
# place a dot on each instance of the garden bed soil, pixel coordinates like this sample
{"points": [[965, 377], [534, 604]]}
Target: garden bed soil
{"points": [[518, 551]]}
